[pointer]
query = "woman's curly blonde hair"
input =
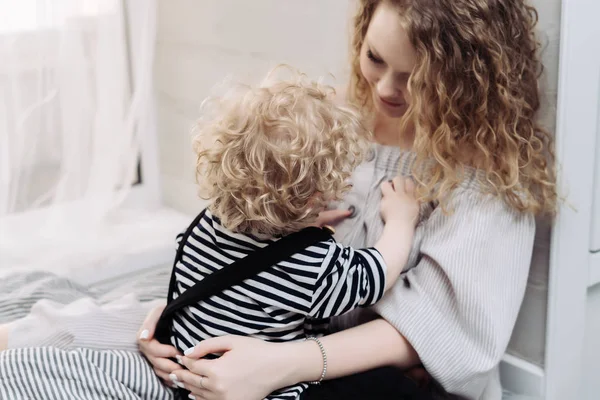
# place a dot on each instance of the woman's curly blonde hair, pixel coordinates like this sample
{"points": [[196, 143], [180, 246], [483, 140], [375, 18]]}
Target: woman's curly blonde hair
{"points": [[474, 91], [271, 157]]}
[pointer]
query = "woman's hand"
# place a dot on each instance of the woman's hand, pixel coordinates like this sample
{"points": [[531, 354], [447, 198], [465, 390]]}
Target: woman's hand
{"points": [[249, 369], [157, 353]]}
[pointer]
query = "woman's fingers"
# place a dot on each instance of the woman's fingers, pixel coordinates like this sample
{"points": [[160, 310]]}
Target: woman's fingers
{"points": [[163, 364], [200, 394], [163, 368], [156, 349], [197, 381], [215, 345], [190, 380], [146, 331], [164, 376], [198, 367]]}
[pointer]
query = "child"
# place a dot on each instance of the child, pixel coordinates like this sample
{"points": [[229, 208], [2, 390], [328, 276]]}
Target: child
{"points": [[270, 158]]}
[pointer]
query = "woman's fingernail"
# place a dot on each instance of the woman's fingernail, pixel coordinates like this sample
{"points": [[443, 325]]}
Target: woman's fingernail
{"points": [[173, 377], [179, 358], [191, 396], [188, 351], [145, 334]]}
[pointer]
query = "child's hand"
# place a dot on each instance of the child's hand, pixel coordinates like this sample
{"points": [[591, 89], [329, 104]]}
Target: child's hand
{"points": [[331, 217], [399, 204]]}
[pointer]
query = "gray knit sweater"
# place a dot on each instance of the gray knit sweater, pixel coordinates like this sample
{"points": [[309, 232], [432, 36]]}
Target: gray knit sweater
{"points": [[459, 295]]}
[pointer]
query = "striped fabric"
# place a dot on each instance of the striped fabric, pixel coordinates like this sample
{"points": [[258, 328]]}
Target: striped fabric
{"points": [[56, 374], [21, 291], [69, 342], [288, 302]]}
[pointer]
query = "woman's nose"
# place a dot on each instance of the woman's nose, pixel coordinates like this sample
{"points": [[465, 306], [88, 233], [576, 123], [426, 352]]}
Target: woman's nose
{"points": [[386, 88]]}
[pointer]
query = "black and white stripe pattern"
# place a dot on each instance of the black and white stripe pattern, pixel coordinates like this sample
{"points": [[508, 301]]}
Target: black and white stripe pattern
{"points": [[53, 373], [287, 302], [69, 341]]}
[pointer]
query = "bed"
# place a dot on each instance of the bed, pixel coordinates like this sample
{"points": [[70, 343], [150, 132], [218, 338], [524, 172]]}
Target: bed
{"points": [[87, 359], [99, 299]]}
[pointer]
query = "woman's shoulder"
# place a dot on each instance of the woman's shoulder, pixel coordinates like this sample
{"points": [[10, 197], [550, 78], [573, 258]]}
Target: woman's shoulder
{"points": [[471, 194], [471, 208]]}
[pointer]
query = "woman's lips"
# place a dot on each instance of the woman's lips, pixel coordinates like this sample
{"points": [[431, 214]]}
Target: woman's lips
{"points": [[390, 103]]}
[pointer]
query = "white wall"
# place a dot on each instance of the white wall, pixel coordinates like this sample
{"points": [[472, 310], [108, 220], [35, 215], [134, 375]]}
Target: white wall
{"points": [[528, 340], [591, 357], [201, 41]]}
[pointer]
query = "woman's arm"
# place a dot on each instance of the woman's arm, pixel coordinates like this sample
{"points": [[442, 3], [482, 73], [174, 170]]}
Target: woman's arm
{"points": [[251, 369], [459, 305], [368, 346]]}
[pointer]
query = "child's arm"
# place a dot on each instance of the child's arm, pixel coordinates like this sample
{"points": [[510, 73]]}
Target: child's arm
{"points": [[348, 279], [352, 278], [400, 212]]}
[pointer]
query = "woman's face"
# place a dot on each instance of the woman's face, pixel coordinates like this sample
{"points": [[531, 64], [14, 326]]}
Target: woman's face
{"points": [[386, 61]]}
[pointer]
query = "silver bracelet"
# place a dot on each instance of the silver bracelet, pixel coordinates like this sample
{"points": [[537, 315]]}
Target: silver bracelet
{"points": [[317, 341]]}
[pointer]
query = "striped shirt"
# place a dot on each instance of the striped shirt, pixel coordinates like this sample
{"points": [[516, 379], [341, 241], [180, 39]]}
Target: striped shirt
{"points": [[288, 302]]}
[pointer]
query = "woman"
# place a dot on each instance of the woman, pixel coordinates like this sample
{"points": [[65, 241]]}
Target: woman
{"points": [[451, 87]]}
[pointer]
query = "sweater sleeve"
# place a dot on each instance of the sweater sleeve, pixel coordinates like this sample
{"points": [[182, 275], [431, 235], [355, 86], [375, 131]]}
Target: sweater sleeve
{"points": [[458, 305]]}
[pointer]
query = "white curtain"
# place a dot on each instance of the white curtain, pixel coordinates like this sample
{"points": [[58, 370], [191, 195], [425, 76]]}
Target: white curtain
{"points": [[75, 88]]}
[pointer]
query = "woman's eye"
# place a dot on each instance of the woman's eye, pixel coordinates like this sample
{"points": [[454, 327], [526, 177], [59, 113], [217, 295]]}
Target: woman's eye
{"points": [[373, 58]]}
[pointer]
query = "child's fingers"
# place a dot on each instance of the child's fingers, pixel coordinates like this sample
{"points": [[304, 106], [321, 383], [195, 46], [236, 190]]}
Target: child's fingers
{"points": [[409, 186], [387, 189], [332, 217], [398, 183]]}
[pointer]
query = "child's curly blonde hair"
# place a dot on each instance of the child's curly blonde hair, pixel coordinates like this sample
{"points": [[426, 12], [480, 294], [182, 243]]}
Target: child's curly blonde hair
{"points": [[271, 157]]}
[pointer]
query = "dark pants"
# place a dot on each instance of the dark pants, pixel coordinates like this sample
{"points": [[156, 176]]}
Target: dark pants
{"points": [[378, 384]]}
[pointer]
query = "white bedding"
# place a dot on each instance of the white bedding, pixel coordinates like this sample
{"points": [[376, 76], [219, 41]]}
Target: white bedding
{"points": [[74, 341], [129, 241]]}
